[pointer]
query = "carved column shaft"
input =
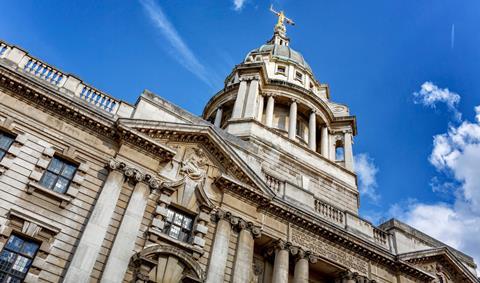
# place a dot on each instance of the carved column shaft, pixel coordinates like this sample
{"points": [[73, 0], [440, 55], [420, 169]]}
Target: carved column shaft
{"points": [[348, 152], [280, 266], [312, 131], [240, 100], [218, 257], [92, 237], [261, 101], [124, 244], [292, 124], [218, 118], [242, 266], [324, 149], [269, 111]]}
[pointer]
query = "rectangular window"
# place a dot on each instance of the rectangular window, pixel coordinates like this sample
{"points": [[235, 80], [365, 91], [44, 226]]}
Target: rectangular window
{"points": [[281, 70], [16, 258], [298, 76], [178, 225], [58, 175], [5, 143]]}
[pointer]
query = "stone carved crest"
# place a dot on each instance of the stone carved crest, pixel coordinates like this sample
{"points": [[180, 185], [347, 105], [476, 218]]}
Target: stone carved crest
{"points": [[190, 188]]}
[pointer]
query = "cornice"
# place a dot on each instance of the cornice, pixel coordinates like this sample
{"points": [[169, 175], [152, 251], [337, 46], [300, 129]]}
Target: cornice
{"points": [[27, 90]]}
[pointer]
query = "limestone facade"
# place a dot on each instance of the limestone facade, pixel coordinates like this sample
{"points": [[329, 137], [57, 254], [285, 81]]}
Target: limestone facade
{"points": [[261, 188]]}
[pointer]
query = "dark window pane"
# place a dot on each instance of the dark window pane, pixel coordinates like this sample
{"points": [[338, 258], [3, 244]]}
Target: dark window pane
{"points": [[174, 232], [187, 223], [68, 171], [61, 185], [5, 141], [55, 166], [48, 180], [6, 260], [29, 249], [178, 219], [170, 215], [2, 154], [16, 258], [14, 243]]}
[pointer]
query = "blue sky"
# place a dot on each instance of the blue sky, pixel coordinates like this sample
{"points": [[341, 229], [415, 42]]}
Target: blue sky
{"points": [[417, 157]]}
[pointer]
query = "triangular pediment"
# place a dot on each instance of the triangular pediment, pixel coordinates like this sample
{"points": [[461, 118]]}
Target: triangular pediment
{"points": [[233, 173], [441, 263]]}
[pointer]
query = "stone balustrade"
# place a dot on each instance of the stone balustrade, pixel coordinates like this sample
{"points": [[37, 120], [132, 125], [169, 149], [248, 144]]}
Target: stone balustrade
{"points": [[380, 236], [274, 183], [329, 212], [66, 83], [352, 223]]}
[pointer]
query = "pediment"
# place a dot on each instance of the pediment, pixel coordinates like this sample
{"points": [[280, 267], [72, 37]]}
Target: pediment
{"points": [[200, 142], [441, 263]]}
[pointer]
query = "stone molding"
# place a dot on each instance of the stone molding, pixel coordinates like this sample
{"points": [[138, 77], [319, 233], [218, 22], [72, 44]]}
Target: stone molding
{"points": [[237, 223], [136, 175]]}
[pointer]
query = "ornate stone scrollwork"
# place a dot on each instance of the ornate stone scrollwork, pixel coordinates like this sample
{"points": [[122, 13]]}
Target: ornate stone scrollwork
{"points": [[237, 223]]}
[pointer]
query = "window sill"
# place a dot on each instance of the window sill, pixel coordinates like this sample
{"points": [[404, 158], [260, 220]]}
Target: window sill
{"points": [[164, 237], [64, 199]]}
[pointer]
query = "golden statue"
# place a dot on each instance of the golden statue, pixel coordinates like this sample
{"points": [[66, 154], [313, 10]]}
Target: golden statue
{"points": [[281, 18]]}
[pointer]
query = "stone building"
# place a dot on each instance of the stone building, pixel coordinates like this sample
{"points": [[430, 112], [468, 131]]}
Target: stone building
{"points": [[261, 188]]}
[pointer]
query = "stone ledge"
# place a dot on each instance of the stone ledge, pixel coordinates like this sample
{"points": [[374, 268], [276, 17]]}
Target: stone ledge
{"points": [[64, 199]]}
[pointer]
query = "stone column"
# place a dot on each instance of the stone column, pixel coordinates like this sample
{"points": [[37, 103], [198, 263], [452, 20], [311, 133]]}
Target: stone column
{"points": [[348, 152], [280, 266], [269, 111], [124, 244], [252, 96], [240, 101], [312, 131], [303, 259], [92, 237], [218, 257], [261, 101], [242, 266], [218, 118], [301, 270], [292, 124], [324, 149]]}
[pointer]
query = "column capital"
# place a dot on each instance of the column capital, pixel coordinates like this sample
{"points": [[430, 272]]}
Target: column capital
{"points": [[237, 223], [293, 100], [313, 111]]}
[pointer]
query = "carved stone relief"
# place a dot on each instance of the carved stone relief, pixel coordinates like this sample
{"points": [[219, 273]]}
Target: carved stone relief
{"points": [[323, 249]]}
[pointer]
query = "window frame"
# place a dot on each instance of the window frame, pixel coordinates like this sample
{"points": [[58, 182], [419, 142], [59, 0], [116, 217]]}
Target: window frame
{"points": [[169, 223], [299, 76], [59, 175], [4, 151], [19, 253], [284, 72]]}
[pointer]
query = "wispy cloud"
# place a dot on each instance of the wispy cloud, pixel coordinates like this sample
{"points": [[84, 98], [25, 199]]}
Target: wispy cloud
{"points": [[238, 4], [367, 176], [430, 95], [177, 46]]}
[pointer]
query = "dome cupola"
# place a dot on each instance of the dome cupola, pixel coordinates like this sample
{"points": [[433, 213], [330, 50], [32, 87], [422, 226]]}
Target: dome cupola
{"points": [[273, 97]]}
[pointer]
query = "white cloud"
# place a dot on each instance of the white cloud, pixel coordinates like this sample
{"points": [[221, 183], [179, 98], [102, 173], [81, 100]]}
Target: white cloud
{"points": [[456, 156], [367, 173], [430, 95], [238, 4], [179, 49]]}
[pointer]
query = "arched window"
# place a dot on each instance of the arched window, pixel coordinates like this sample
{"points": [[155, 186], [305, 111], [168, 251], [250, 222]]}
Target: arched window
{"points": [[339, 153]]}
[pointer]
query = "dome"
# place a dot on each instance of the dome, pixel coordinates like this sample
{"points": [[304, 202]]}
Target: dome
{"points": [[281, 51]]}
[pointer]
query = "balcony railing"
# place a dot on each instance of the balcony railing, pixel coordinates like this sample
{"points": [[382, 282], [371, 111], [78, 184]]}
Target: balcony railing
{"points": [[52, 76], [329, 212]]}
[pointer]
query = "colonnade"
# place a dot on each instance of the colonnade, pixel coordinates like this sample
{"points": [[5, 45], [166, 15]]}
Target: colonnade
{"points": [[249, 103]]}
